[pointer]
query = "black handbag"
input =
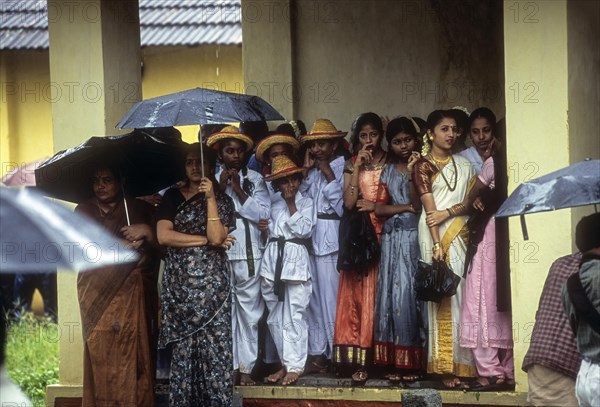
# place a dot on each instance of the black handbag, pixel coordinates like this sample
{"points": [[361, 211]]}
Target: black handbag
{"points": [[435, 281], [358, 245]]}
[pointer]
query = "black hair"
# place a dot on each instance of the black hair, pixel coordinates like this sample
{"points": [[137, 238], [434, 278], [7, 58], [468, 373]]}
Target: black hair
{"points": [[109, 166], [462, 122], [366, 118], [277, 182], [207, 130], [437, 116], [485, 113], [399, 125], [221, 146], [587, 233], [255, 130]]}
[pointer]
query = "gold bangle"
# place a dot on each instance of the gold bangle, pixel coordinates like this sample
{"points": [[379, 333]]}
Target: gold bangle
{"points": [[436, 246], [212, 219]]}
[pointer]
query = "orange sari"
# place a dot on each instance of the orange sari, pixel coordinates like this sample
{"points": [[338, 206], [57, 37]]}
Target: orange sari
{"points": [[353, 334]]}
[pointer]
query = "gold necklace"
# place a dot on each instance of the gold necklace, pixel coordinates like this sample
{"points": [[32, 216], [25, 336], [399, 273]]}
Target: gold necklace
{"points": [[440, 162], [436, 162]]}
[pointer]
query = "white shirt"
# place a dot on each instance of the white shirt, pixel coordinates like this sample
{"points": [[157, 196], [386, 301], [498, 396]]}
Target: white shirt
{"points": [[256, 207], [329, 199], [296, 261]]}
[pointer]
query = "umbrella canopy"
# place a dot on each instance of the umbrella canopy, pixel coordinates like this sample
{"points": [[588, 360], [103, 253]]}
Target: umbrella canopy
{"points": [[23, 175], [198, 106], [38, 235], [575, 185], [148, 164]]}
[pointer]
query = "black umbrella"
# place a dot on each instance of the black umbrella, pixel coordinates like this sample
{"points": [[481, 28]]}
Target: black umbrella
{"points": [[148, 163], [575, 185], [38, 235], [198, 106]]}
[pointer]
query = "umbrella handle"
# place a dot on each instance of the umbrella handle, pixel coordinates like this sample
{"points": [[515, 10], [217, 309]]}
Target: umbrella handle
{"points": [[201, 153], [524, 228]]}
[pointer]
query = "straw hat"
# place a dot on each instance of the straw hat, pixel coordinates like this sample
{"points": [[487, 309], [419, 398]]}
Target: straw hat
{"points": [[270, 141], [229, 132], [281, 167], [323, 129]]}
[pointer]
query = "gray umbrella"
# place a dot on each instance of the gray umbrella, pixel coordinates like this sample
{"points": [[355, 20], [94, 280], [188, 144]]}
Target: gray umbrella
{"points": [[575, 185], [38, 235]]}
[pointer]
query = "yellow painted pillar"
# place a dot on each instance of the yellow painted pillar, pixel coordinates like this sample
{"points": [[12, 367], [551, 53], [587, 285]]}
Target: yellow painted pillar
{"points": [[95, 69], [537, 91], [268, 24]]}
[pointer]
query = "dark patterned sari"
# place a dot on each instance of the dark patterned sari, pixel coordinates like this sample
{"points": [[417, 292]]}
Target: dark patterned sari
{"points": [[196, 309]]}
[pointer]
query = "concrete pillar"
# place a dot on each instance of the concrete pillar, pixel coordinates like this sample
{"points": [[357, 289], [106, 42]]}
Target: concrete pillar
{"points": [[551, 83], [267, 52], [95, 64]]}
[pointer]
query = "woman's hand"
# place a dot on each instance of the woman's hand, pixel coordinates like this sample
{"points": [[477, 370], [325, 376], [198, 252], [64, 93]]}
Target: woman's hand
{"points": [[364, 156], [365, 205], [206, 186], [263, 225], [414, 157], [136, 232], [228, 242], [438, 254], [436, 218], [478, 204]]}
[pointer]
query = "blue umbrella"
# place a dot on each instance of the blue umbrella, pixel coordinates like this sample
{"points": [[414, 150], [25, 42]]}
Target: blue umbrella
{"points": [[575, 185]]}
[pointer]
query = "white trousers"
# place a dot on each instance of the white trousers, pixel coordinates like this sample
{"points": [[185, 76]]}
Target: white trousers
{"points": [[248, 307], [287, 321], [321, 309], [587, 388]]}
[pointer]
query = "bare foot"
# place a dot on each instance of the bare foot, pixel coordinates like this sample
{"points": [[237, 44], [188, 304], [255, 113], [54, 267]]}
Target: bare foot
{"points": [[290, 378], [246, 380], [451, 382], [360, 376], [411, 377], [277, 376]]}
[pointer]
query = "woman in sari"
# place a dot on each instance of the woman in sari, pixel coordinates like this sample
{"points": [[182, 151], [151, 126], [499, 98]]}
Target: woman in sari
{"points": [[486, 329], [442, 181], [353, 333], [400, 319], [194, 221], [119, 304]]}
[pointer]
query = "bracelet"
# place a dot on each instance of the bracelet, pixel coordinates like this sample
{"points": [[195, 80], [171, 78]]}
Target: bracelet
{"points": [[436, 246], [449, 212], [212, 219]]}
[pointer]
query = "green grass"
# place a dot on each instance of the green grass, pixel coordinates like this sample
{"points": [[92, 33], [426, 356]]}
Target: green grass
{"points": [[32, 355]]}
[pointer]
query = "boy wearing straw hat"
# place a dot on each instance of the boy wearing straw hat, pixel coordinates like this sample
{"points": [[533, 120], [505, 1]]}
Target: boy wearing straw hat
{"points": [[324, 185], [287, 268], [252, 203], [273, 146]]}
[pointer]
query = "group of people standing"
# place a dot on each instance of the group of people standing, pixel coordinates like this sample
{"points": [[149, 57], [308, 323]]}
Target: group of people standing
{"points": [[240, 243]]}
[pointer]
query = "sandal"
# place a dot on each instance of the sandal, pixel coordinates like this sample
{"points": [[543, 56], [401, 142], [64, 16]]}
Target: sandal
{"points": [[360, 377], [494, 383]]}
